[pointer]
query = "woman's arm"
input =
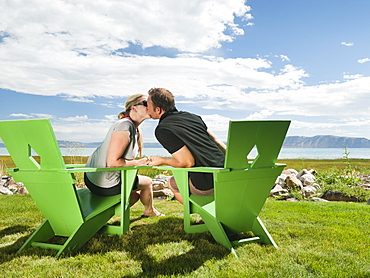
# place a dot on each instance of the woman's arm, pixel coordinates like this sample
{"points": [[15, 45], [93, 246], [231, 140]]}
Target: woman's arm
{"points": [[118, 144]]}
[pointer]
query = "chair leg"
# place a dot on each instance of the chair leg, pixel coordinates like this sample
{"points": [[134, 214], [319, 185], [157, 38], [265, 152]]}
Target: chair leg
{"points": [[124, 225], [43, 232], [123, 209], [75, 241], [260, 230], [181, 178], [217, 231], [84, 232]]}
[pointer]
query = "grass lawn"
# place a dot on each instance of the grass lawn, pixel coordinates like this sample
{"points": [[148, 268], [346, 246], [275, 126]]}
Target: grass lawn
{"points": [[315, 239]]}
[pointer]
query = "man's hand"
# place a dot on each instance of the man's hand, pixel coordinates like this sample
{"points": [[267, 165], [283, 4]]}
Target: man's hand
{"points": [[155, 160]]}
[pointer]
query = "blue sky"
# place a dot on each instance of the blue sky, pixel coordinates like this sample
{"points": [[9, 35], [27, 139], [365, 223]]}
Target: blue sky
{"points": [[76, 62]]}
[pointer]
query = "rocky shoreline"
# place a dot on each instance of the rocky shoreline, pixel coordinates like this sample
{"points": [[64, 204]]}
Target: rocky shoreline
{"points": [[303, 181]]}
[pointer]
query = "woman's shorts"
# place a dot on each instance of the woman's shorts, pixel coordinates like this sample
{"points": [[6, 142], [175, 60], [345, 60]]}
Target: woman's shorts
{"points": [[111, 191]]}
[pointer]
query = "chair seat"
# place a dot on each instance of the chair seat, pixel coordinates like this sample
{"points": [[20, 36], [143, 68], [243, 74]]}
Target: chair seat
{"points": [[92, 204]]}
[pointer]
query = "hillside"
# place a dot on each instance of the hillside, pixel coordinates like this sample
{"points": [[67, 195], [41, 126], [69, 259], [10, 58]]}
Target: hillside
{"points": [[325, 141]]}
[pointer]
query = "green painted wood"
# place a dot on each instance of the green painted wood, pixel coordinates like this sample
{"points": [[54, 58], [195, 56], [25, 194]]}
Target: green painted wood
{"points": [[241, 187], [73, 213]]}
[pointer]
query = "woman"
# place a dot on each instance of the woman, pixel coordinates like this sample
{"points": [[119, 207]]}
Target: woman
{"points": [[119, 149]]}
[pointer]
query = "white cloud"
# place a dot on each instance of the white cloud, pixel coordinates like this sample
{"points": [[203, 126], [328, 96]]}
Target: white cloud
{"points": [[260, 115], [104, 26], [352, 76], [364, 60], [74, 49], [18, 115], [77, 118], [216, 122], [77, 99], [89, 131], [248, 17], [284, 58], [81, 78], [80, 128], [31, 115]]}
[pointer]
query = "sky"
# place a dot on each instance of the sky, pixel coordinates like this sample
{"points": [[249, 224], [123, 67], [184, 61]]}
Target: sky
{"points": [[76, 62]]}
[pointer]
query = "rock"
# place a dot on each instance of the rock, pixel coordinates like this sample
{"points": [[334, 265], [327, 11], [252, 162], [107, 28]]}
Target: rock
{"points": [[163, 193], [5, 180], [305, 172], [278, 191], [312, 172], [292, 200], [316, 199], [5, 191], [22, 190], [302, 172], [308, 191], [291, 171], [338, 196], [280, 180], [317, 186], [293, 181], [307, 179], [157, 185], [162, 178]]}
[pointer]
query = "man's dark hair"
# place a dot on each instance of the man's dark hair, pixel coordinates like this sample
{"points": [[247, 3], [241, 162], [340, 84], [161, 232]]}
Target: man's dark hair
{"points": [[162, 98]]}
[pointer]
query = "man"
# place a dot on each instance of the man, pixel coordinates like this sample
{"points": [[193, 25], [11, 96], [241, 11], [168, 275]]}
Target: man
{"points": [[186, 137]]}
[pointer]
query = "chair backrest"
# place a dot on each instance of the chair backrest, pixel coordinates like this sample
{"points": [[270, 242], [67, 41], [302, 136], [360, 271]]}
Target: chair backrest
{"points": [[24, 136], [267, 136], [242, 192], [53, 191]]}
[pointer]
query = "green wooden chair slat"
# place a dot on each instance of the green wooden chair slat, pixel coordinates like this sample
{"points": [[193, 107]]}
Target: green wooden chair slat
{"points": [[241, 187], [70, 212]]}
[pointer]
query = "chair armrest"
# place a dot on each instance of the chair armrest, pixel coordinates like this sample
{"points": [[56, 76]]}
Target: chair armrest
{"points": [[194, 169], [81, 170], [75, 165], [88, 169], [12, 170]]}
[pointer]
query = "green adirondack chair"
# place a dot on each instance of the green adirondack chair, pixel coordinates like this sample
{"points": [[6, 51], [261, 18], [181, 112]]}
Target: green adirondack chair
{"points": [[76, 214], [241, 187]]}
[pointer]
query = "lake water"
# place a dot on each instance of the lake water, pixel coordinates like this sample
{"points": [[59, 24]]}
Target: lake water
{"points": [[286, 153]]}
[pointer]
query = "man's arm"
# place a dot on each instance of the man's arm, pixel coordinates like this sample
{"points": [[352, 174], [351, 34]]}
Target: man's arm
{"points": [[218, 142], [180, 159]]}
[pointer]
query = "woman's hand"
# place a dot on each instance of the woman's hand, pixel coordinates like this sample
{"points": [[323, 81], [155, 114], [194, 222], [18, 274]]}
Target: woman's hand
{"points": [[143, 161]]}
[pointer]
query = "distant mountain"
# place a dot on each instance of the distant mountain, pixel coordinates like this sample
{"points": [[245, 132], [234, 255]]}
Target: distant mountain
{"points": [[325, 141], [319, 141], [74, 144]]}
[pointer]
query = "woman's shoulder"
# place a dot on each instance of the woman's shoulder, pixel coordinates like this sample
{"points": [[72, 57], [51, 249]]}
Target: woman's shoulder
{"points": [[124, 124]]}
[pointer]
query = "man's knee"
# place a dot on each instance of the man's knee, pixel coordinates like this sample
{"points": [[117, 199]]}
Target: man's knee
{"points": [[172, 184]]}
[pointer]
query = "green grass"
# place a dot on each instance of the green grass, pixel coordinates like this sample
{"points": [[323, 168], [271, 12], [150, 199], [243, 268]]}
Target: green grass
{"points": [[315, 239], [325, 164]]}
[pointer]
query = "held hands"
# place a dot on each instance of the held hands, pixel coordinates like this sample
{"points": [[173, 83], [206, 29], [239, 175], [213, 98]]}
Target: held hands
{"points": [[155, 160], [150, 160], [143, 161]]}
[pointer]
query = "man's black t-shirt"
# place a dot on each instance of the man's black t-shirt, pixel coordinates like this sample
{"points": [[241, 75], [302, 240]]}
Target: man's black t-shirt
{"points": [[179, 128]]}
